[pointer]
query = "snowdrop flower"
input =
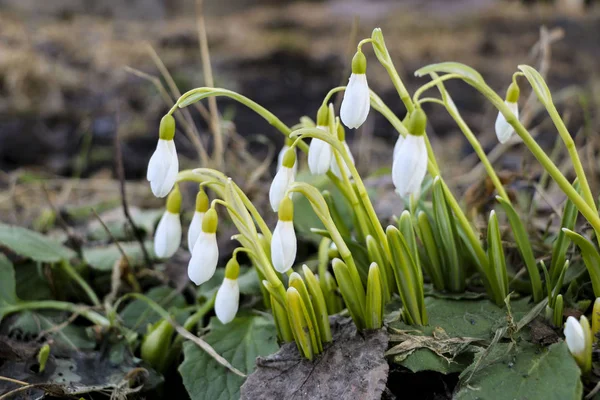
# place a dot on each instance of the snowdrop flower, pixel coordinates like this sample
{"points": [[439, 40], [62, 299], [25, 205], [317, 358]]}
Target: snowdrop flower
{"points": [[335, 168], [283, 243], [283, 179], [397, 146], [503, 129], [280, 158], [205, 253], [164, 165], [410, 161], [228, 296], [356, 103], [320, 152], [578, 336], [196, 224], [168, 232]]}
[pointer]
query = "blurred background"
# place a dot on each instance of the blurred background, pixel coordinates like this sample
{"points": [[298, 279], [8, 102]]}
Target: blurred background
{"points": [[74, 74]]}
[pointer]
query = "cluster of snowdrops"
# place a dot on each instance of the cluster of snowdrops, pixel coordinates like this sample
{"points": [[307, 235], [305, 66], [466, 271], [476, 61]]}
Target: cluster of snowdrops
{"points": [[432, 237]]}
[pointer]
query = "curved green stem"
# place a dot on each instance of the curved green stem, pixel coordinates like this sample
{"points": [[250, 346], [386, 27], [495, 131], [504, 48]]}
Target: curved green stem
{"points": [[432, 83], [85, 312], [73, 274]]}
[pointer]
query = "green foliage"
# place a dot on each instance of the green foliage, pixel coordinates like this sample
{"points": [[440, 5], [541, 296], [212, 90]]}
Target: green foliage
{"points": [[8, 293], [240, 342], [103, 258], [33, 245], [138, 314]]}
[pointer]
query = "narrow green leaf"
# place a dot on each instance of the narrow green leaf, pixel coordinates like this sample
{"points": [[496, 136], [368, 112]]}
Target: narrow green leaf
{"points": [[295, 281], [496, 256], [387, 276], [344, 281], [466, 72], [8, 285], [33, 245], [300, 323], [339, 222], [318, 302], [591, 258], [408, 232], [434, 263], [538, 84], [561, 245], [520, 235], [374, 311]]}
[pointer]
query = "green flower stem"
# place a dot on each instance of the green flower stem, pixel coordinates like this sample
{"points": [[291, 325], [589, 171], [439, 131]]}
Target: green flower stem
{"points": [[586, 210], [73, 274], [85, 312], [434, 82], [195, 318], [454, 113]]}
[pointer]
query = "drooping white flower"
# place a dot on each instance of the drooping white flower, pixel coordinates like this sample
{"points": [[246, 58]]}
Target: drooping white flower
{"points": [[356, 103], [227, 300], [319, 155], [168, 235], [284, 177], [164, 164], [574, 336], [280, 159], [503, 129], [195, 227], [283, 243], [335, 168], [397, 146], [205, 253], [410, 165]]}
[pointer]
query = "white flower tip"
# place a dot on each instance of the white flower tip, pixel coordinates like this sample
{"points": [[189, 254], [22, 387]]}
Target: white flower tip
{"points": [[227, 300], [574, 336], [356, 102], [167, 237]]}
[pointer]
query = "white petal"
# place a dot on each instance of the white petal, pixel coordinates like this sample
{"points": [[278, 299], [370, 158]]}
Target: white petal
{"points": [[335, 167], [356, 103], [283, 246], [503, 129], [163, 168], [280, 159], [574, 336], [194, 229], [227, 300], [168, 235], [397, 146], [205, 256], [410, 165], [283, 179], [319, 157]]}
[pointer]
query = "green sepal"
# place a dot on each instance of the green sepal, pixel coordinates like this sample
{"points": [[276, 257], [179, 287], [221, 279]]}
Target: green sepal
{"points": [[174, 201], [323, 115], [346, 286], [513, 92], [417, 122], [296, 281], [591, 258], [299, 322], [232, 269], [318, 303], [167, 127], [496, 256], [522, 240], [289, 158], [210, 221], [359, 63], [374, 311], [202, 201], [286, 209]]}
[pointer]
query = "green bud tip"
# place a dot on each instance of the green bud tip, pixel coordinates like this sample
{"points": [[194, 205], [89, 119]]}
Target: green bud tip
{"points": [[42, 357], [174, 200], [294, 276], [167, 127], [232, 269], [286, 209], [359, 63], [210, 221], [417, 122], [341, 132], [289, 158], [323, 115], [513, 92], [202, 201]]}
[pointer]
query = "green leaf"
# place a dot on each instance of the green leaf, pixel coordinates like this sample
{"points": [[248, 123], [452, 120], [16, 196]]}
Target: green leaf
{"points": [[31, 282], [591, 258], [240, 342], [138, 314], [525, 249], [561, 245], [496, 256], [528, 372], [119, 226], [103, 258], [466, 72], [427, 360], [538, 84], [33, 245], [8, 292]]}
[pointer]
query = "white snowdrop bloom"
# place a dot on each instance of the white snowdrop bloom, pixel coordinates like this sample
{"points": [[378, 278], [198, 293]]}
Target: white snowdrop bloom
{"points": [[195, 227], [284, 177], [397, 146], [280, 159], [335, 168], [164, 164], [410, 165], [227, 300], [356, 103], [503, 129], [319, 155], [167, 236], [205, 253], [574, 336], [283, 243]]}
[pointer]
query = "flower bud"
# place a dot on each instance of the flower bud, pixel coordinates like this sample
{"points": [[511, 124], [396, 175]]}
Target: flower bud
{"points": [[205, 253], [282, 154], [503, 129], [284, 177], [578, 336], [283, 243], [356, 103], [320, 152], [195, 228], [167, 237], [164, 164], [156, 344], [228, 296], [410, 160]]}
